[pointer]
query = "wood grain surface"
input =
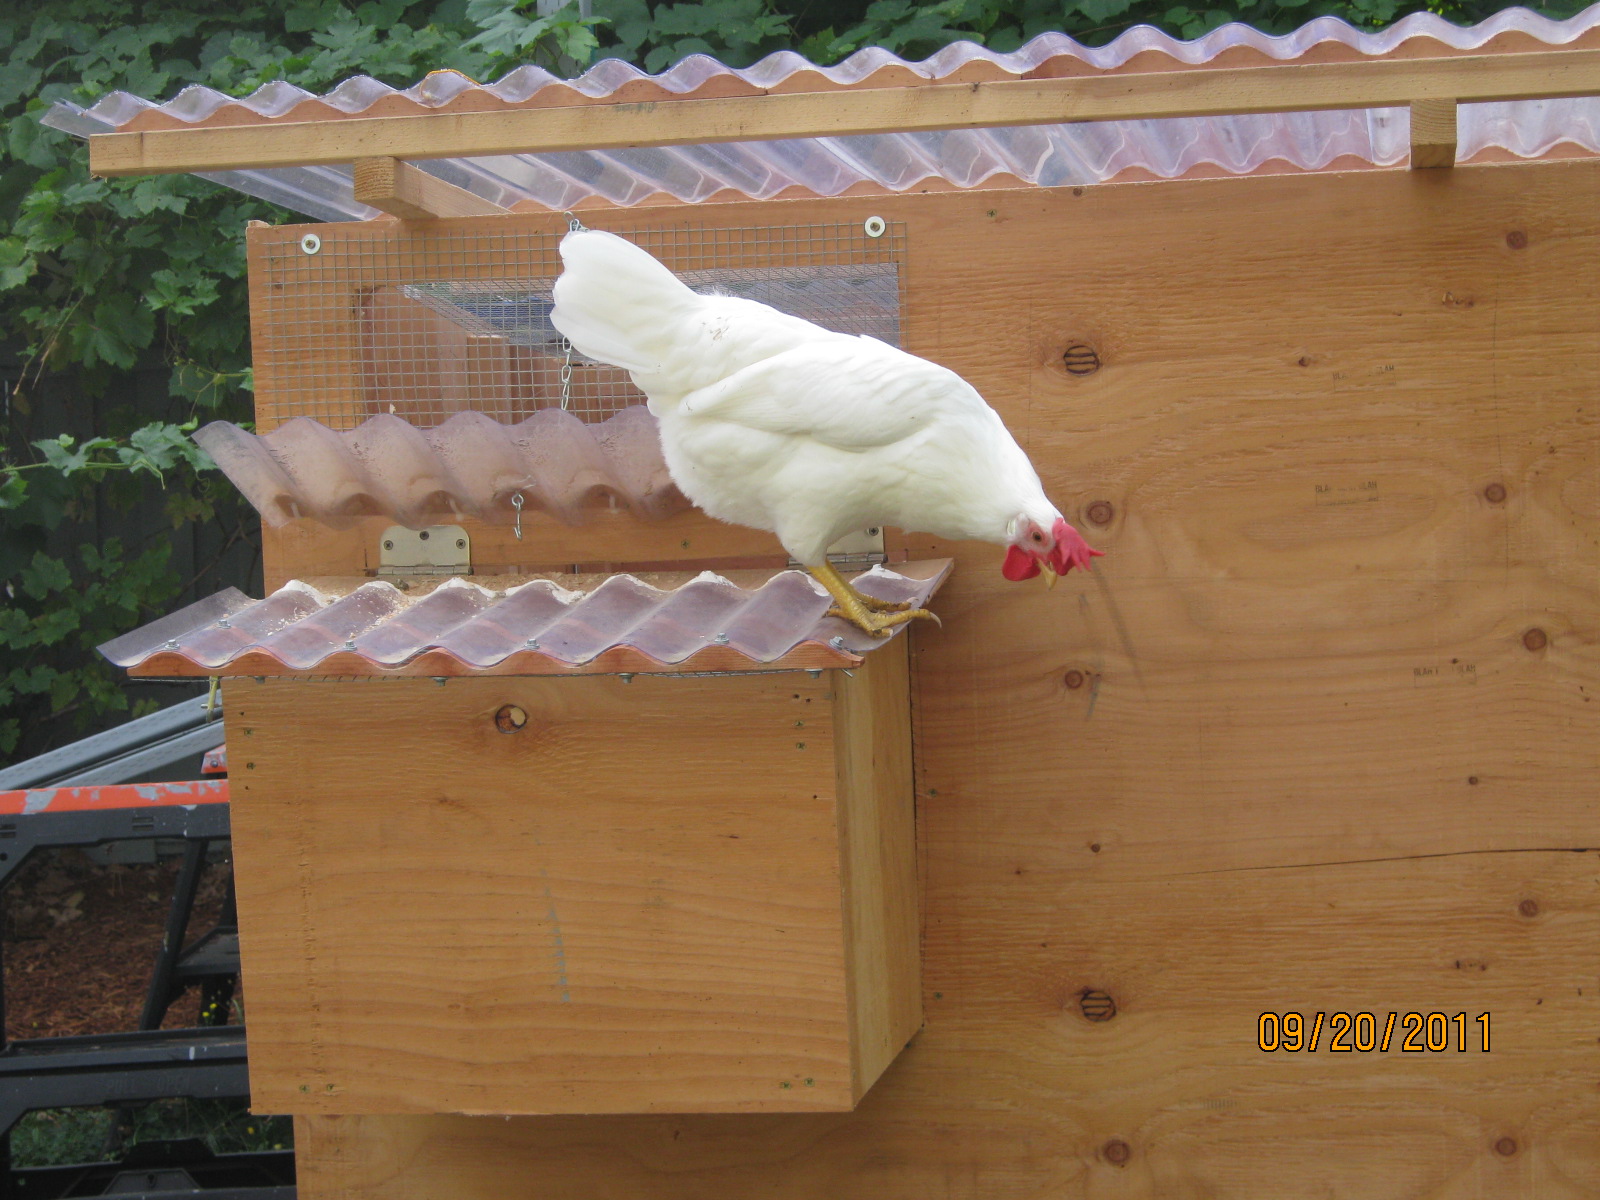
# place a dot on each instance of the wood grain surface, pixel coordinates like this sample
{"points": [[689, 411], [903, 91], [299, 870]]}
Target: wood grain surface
{"points": [[1319, 734], [664, 895]]}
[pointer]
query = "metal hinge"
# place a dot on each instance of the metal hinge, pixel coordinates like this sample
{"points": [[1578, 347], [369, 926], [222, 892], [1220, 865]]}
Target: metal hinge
{"points": [[860, 549], [437, 550]]}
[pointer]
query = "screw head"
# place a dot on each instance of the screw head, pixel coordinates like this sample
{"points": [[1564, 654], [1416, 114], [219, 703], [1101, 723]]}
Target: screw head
{"points": [[836, 641], [1505, 1147], [509, 718], [1100, 512], [1096, 1005], [1073, 679], [1080, 359], [1495, 493], [423, 536], [1529, 908], [1535, 639], [461, 543], [310, 244], [875, 227], [1517, 240], [1117, 1152]]}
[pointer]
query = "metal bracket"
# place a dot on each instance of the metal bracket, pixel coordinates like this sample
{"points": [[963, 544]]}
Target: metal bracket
{"points": [[437, 550], [863, 548]]}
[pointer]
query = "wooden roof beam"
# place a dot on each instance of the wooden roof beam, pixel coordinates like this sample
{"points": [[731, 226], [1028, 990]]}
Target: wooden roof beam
{"points": [[402, 190], [1433, 133], [1202, 92]]}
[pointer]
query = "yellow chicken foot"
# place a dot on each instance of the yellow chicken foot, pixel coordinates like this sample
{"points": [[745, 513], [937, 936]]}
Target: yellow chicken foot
{"points": [[866, 613]]}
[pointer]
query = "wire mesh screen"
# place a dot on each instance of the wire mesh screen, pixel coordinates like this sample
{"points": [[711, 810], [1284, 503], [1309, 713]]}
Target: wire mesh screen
{"points": [[353, 321]]}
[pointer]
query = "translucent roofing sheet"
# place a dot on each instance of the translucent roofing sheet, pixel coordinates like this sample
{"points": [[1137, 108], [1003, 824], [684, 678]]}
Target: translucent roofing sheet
{"points": [[471, 464], [742, 621], [1049, 155]]}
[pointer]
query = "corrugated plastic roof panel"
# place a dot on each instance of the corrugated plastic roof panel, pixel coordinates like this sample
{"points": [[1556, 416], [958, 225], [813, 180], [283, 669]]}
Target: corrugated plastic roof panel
{"points": [[558, 625], [1051, 155], [470, 464]]}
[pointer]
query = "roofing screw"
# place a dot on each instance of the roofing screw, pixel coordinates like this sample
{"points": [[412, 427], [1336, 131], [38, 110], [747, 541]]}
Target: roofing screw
{"points": [[172, 643], [349, 643], [532, 643], [1097, 1006], [310, 244], [1079, 359], [224, 623], [721, 639], [510, 718], [814, 672], [875, 227], [837, 642], [627, 677], [440, 680]]}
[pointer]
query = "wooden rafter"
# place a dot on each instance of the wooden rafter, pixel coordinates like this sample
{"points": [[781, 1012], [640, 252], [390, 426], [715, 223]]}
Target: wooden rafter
{"points": [[1140, 95], [403, 191]]}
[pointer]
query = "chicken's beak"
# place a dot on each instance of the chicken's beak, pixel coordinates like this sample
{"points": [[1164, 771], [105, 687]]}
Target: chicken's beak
{"points": [[1049, 574]]}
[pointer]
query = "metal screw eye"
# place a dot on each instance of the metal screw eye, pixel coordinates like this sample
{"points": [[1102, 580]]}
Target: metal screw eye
{"points": [[875, 227], [310, 244]]}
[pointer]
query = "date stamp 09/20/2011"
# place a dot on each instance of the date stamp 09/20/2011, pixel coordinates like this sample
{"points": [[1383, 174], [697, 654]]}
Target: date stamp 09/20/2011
{"points": [[1365, 1032]]}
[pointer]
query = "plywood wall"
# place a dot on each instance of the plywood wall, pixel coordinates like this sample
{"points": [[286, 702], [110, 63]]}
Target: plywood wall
{"points": [[1320, 734]]}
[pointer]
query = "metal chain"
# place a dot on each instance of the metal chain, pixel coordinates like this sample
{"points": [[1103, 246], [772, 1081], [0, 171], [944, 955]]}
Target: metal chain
{"points": [[573, 226]]}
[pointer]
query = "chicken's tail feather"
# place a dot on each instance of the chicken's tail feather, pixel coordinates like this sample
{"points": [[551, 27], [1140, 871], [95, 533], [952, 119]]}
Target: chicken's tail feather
{"points": [[614, 301]]}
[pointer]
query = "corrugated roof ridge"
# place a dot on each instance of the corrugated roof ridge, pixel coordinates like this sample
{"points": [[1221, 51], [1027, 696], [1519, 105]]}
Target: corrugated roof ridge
{"points": [[471, 463], [1048, 53], [621, 623]]}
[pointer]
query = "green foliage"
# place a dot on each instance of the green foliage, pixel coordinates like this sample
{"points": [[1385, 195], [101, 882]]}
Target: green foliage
{"points": [[60, 1136], [103, 282]]}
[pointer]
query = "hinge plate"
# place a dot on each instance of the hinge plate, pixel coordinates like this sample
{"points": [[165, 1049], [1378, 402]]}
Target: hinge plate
{"points": [[862, 548], [436, 550]]}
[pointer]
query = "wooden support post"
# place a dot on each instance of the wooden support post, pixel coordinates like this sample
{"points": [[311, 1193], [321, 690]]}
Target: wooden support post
{"points": [[402, 190], [1433, 133]]}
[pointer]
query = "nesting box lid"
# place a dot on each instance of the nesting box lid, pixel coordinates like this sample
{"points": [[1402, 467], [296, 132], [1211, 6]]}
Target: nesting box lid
{"points": [[656, 622]]}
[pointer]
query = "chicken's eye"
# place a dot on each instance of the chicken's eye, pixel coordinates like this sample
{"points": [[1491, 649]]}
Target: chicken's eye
{"points": [[1036, 537]]}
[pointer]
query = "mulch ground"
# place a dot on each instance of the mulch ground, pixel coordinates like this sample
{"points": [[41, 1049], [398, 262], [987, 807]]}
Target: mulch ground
{"points": [[81, 939]]}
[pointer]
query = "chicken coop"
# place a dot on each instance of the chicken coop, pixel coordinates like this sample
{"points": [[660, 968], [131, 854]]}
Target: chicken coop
{"points": [[579, 851]]}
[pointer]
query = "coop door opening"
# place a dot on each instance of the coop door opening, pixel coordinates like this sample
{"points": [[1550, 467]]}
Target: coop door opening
{"points": [[426, 325]]}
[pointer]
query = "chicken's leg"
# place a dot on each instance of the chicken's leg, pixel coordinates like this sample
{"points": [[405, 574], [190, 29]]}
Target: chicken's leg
{"points": [[867, 613]]}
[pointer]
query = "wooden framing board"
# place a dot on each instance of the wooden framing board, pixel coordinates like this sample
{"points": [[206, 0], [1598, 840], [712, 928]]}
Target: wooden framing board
{"points": [[1320, 733], [1195, 92]]}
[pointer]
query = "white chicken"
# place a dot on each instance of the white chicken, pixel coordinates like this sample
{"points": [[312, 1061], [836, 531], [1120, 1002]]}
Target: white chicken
{"points": [[770, 421]]}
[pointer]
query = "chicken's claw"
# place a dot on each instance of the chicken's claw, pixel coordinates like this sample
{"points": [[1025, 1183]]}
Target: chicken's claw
{"points": [[882, 624], [867, 613]]}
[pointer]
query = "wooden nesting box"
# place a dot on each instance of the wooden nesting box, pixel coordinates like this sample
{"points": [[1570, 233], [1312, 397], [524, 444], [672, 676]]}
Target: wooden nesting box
{"points": [[537, 895]]}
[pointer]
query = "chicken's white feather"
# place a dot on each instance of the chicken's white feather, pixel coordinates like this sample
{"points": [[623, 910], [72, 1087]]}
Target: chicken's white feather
{"points": [[770, 421]]}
